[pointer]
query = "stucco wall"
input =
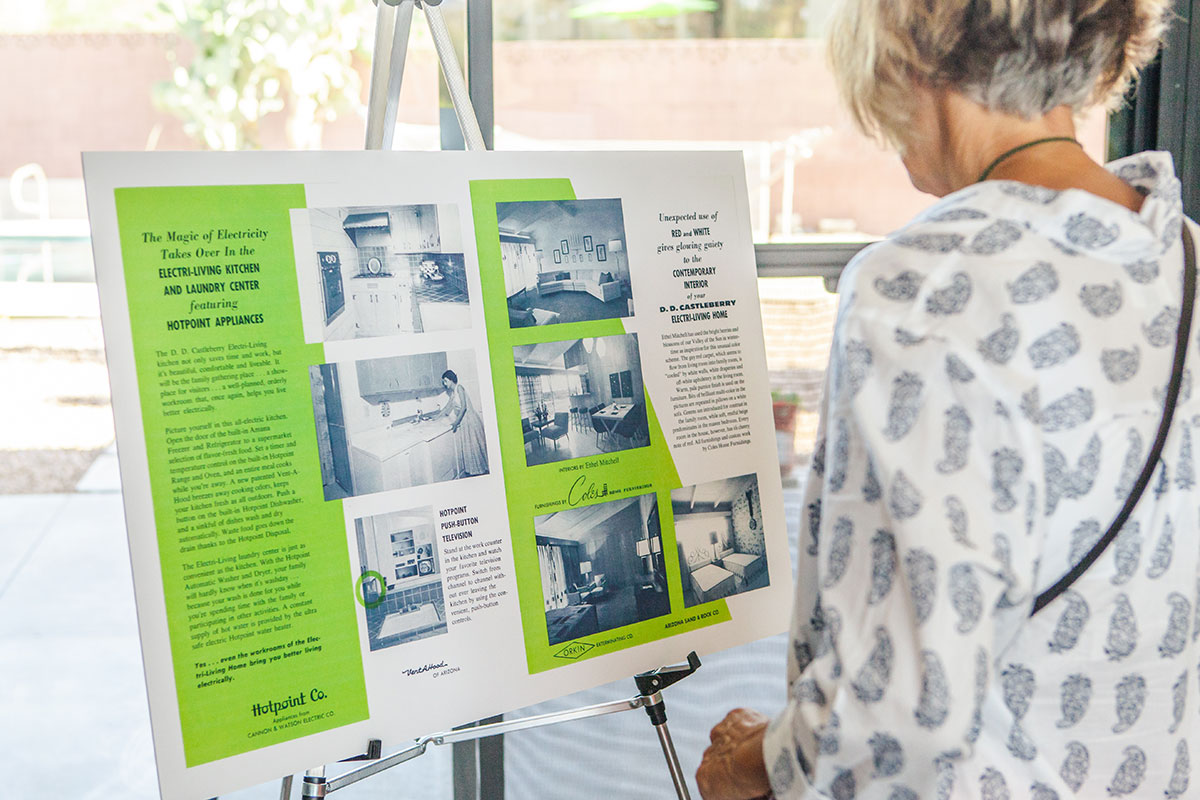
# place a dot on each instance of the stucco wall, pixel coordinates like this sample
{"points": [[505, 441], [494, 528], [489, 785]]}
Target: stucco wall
{"points": [[67, 93], [93, 92]]}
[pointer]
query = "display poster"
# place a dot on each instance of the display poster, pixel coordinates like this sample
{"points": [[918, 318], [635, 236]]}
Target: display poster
{"points": [[412, 439]]}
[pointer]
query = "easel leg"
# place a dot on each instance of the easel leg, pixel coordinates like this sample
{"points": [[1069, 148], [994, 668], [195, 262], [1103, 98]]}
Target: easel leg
{"points": [[668, 748], [393, 24], [656, 709], [650, 685], [314, 783]]}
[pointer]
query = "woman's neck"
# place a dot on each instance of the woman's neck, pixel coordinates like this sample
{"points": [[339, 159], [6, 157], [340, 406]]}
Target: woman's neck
{"points": [[967, 138]]}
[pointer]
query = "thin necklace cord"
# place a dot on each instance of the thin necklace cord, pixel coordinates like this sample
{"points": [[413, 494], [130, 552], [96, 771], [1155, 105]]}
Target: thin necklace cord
{"points": [[1009, 153]]}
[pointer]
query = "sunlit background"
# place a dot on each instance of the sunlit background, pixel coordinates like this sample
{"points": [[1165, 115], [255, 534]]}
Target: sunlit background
{"points": [[747, 75]]}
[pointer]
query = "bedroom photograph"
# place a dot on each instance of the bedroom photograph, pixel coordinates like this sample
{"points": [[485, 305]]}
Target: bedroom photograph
{"points": [[719, 534], [601, 567]]}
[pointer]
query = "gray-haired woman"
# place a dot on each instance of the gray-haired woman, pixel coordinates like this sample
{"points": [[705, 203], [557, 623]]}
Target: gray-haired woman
{"points": [[996, 381]]}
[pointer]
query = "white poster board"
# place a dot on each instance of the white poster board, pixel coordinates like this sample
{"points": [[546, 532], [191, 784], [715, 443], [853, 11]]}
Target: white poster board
{"points": [[408, 440]]}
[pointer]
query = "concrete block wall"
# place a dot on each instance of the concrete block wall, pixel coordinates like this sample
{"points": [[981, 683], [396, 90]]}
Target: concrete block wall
{"points": [[798, 316]]}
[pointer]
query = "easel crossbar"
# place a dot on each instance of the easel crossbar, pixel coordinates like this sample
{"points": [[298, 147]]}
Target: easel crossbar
{"points": [[419, 747]]}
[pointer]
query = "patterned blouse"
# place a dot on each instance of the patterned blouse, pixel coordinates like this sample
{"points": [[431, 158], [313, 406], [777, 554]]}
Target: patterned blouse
{"points": [[996, 382]]}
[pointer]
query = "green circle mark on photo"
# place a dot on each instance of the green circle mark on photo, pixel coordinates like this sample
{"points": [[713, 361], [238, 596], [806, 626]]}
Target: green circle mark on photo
{"points": [[358, 589]]}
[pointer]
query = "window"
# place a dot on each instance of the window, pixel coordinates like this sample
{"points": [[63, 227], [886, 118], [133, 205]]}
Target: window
{"points": [[529, 394], [746, 75]]}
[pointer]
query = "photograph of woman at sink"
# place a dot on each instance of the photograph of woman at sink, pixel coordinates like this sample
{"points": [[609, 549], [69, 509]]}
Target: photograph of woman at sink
{"points": [[470, 448], [397, 422]]}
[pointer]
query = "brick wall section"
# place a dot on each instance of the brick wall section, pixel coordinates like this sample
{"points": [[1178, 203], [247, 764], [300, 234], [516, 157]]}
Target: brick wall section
{"points": [[67, 93], [71, 92], [699, 89], [798, 316], [709, 91], [93, 92]]}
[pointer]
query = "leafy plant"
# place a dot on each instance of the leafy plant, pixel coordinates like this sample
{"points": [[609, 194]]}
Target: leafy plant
{"points": [[239, 61], [785, 397]]}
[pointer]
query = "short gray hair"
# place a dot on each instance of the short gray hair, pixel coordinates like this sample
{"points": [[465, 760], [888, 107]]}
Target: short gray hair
{"points": [[1021, 57]]}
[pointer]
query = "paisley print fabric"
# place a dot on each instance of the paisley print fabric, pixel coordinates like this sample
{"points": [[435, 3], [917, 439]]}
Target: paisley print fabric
{"points": [[995, 382]]}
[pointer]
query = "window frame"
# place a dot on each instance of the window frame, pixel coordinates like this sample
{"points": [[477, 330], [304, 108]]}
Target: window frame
{"points": [[1162, 112]]}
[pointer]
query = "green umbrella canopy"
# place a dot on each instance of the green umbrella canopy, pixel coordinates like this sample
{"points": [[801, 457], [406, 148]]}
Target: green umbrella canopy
{"points": [[641, 9]]}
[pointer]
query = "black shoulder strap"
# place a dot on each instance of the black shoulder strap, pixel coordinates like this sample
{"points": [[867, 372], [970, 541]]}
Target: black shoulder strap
{"points": [[1181, 343]]}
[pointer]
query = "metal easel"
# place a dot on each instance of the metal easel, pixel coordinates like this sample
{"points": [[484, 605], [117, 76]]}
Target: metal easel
{"points": [[393, 26], [649, 696]]}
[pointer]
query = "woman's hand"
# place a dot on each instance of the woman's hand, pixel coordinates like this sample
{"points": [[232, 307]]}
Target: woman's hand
{"points": [[732, 768]]}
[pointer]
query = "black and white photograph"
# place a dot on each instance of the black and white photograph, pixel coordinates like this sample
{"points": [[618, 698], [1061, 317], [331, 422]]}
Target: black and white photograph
{"points": [[581, 397], [400, 577], [388, 270], [547, 278], [391, 423], [601, 567], [719, 534]]}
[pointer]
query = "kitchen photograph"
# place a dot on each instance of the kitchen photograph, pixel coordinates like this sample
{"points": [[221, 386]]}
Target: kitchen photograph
{"points": [[601, 567], [581, 397], [396, 422], [387, 270], [400, 577], [719, 533]]}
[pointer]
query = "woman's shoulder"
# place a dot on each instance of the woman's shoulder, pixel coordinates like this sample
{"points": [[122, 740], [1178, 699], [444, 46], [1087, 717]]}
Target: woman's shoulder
{"points": [[933, 264], [969, 278], [1004, 241], [1004, 224]]}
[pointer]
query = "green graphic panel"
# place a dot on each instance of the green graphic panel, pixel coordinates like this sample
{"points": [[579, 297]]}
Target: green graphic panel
{"points": [[534, 491], [261, 616]]}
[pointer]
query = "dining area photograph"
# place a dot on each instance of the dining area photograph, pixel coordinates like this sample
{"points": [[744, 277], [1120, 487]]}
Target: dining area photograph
{"points": [[581, 397]]}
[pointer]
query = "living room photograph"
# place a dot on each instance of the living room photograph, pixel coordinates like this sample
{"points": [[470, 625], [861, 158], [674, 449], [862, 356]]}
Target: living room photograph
{"points": [[601, 567], [581, 397], [564, 261], [719, 534]]}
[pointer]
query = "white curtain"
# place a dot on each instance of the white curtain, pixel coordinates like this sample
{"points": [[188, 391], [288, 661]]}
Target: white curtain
{"points": [[554, 580]]}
